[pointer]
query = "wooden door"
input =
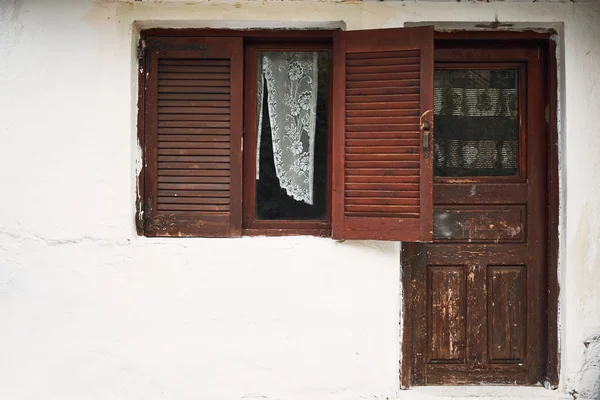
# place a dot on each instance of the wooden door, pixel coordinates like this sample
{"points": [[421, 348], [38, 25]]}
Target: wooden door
{"points": [[477, 293]]}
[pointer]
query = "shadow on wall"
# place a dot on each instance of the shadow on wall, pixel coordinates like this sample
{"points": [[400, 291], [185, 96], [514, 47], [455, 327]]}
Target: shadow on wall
{"points": [[588, 378]]}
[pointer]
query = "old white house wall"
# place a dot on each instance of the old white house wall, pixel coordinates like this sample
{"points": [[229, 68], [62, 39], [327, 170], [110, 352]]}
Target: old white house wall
{"points": [[90, 310]]}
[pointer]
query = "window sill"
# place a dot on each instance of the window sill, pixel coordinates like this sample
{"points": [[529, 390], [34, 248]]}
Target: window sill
{"points": [[321, 232]]}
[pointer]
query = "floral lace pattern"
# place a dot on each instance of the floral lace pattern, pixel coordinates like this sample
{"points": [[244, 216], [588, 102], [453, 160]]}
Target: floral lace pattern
{"points": [[476, 122], [291, 88]]}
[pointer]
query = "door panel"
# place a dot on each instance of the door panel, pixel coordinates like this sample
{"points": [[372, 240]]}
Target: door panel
{"points": [[494, 224], [507, 286], [478, 289], [447, 314]]}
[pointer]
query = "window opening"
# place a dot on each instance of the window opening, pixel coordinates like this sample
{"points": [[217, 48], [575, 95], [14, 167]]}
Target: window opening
{"points": [[292, 115]]}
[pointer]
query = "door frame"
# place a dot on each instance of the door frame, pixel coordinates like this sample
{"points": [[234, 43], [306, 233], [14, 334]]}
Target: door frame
{"points": [[414, 253]]}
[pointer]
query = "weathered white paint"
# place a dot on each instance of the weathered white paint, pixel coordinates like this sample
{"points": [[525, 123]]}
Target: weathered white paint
{"points": [[89, 310]]}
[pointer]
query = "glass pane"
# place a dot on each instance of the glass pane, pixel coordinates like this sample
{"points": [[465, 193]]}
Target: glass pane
{"points": [[292, 135], [476, 123]]}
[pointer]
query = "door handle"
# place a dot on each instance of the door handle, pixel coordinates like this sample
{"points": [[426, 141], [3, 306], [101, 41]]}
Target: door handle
{"points": [[426, 129]]}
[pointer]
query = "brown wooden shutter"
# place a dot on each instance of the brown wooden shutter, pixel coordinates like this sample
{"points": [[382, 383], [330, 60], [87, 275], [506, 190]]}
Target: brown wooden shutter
{"points": [[193, 137], [383, 105]]}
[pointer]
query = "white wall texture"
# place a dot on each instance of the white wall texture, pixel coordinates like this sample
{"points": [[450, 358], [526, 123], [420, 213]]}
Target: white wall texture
{"points": [[88, 310]]}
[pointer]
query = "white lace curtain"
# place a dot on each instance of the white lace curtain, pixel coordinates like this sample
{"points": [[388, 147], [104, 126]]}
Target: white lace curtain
{"points": [[291, 85]]}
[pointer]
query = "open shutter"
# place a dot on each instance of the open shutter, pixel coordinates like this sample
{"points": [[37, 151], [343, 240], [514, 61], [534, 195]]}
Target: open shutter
{"points": [[193, 137], [383, 125]]}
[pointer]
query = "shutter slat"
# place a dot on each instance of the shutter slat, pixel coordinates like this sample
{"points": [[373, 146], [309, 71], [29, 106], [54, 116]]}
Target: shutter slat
{"points": [[382, 120], [193, 172], [382, 200], [192, 124], [195, 193], [378, 171], [191, 98], [194, 159], [375, 157], [383, 164], [381, 174], [377, 61], [194, 69], [191, 207], [379, 209], [193, 89], [392, 84], [383, 193], [379, 105], [383, 69], [375, 91], [224, 76], [410, 187], [192, 186], [400, 99], [194, 83], [192, 179], [192, 113], [380, 149], [193, 148], [385, 76], [382, 179], [197, 62], [382, 135], [194, 200], [381, 142], [193, 152], [208, 146], [373, 55], [192, 166], [364, 128], [196, 134], [187, 106]]}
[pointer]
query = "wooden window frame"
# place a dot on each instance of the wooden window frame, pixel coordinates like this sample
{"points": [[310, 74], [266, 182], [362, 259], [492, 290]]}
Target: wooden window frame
{"points": [[370, 216], [250, 225], [320, 38]]}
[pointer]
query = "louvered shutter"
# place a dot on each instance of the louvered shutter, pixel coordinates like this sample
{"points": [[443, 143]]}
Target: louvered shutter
{"points": [[383, 125], [193, 134]]}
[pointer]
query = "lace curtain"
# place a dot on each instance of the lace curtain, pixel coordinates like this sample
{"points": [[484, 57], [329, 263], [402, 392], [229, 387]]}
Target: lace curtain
{"points": [[476, 126], [290, 81]]}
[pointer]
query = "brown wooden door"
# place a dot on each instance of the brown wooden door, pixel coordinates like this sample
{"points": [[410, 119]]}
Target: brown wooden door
{"points": [[477, 292]]}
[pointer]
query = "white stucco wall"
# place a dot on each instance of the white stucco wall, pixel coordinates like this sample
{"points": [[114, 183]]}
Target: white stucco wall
{"points": [[88, 310]]}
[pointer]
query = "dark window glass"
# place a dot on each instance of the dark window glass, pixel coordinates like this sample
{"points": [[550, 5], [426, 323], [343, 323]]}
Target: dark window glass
{"points": [[476, 123]]}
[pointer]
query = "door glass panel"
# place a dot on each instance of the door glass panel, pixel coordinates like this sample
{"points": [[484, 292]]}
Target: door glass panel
{"points": [[476, 129]]}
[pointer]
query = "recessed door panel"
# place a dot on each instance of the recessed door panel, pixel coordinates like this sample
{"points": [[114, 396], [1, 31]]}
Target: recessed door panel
{"points": [[447, 314], [506, 313], [489, 224]]}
